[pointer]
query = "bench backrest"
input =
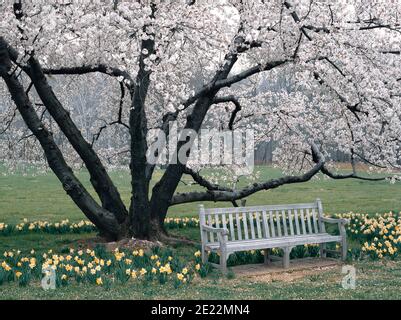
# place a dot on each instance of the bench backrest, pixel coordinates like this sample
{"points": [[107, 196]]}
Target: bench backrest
{"points": [[263, 222]]}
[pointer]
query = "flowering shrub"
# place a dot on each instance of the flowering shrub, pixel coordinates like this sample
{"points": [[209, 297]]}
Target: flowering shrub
{"points": [[101, 268]]}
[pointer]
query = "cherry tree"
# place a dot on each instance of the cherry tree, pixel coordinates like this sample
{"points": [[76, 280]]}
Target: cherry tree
{"points": [[129, 67]]}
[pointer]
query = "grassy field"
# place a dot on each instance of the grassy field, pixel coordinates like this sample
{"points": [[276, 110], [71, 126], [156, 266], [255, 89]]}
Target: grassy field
{"points": [[375, 280], [41, 197]]}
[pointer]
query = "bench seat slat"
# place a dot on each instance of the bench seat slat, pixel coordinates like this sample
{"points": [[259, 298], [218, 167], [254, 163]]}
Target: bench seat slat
{"points": [[290, 222], [297, 222], [245, 224], [238, 221], [303, 221], [273, 232], [266, 231], [315, 220], [216, 219], [209, 218], [251, 224], [278, 223], [224, 221], [258, 225], [276, 242], [308, 214], [232, 231], [284, 223], [267, 208]]}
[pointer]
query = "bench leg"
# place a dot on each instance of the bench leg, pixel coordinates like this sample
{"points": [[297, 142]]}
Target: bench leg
{"points": [[266, 256], [322, 250], [286, 257], [223, 262], [204, 255], [344, 249]]}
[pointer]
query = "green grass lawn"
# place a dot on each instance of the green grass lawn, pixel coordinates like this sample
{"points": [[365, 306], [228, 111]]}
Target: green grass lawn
{"points": [[375, 279], [42, 197]]}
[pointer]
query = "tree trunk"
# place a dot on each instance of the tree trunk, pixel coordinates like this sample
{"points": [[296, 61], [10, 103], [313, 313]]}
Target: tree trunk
{"points": [[140, 225], [163, 191], [145, 219], [102, 218], [99, 178]]}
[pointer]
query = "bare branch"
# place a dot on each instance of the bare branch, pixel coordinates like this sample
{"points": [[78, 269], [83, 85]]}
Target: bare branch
{"points": [[212, 195], [352, 175], [203, 182], [237, 109], [100, 68], [219, 84]]}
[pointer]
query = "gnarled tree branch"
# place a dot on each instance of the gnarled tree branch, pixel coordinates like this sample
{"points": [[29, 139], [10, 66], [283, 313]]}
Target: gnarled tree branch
{"points": [[203, 181], [78, 193], [213, 195], [237, 109]]}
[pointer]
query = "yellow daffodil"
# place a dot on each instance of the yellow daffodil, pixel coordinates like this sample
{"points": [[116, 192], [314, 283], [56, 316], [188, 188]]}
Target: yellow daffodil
{"points": [[99, 281]]}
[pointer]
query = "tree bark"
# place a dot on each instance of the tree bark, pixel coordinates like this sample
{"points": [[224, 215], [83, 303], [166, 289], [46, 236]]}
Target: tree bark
{"points": [[140, 223], [103, 185], [103, 219]]}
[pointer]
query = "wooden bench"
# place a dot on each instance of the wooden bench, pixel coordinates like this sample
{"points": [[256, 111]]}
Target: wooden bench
{"points": [[229, 230]]}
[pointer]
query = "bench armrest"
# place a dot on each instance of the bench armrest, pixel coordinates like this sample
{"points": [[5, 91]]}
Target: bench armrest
{"points": [[335, 220], [221, 231]]}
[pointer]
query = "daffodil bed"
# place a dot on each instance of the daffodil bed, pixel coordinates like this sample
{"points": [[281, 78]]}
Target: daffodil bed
{"points": [[100, 267], [379, 235], [83, 226], [376, 236], [373, 239]]}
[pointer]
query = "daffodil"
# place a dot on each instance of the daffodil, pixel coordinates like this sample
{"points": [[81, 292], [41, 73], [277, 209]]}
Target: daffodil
{"points": [[99, 281]]}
